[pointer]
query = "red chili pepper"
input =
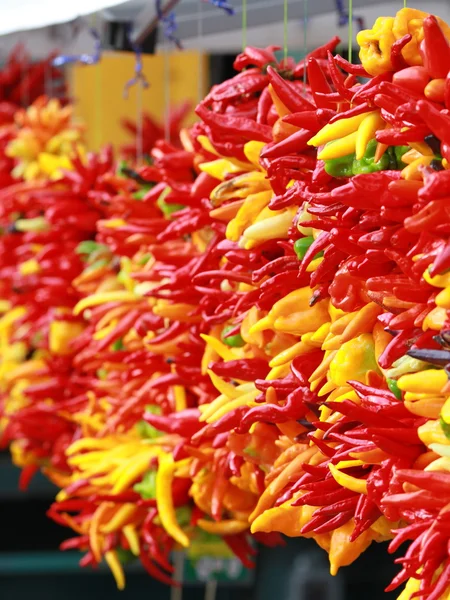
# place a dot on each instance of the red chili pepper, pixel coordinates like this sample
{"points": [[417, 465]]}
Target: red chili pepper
{"points": [[258, 57], [155, 571], [183, 423], [435, 49], [437, 121], [320, 524], [230, 125], [338, 79], [352, 112], [241, 548], [306, 120], [392, 137], [286, 92], [264, 104], [295, 143], [247, 369], [397, 60], [350, 68], [412, 78], [322, 51], [319, 84]]}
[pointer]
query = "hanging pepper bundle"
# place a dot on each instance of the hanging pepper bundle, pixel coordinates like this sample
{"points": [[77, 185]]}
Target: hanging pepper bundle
{"points": [[263, 338], [23, 81], [151, 131]]}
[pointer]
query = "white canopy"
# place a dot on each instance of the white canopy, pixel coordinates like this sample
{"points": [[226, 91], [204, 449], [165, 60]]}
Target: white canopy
{"points": [[19, 15]]}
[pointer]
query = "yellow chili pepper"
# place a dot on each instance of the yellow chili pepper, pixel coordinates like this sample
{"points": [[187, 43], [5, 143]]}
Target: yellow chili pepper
{"points": [[338, 130], [252, 151], [431, 433], [61, 334], [96, 299], [342, 551], [276, 226], [348, 481], [116, 568], [413, 171], [164, 501], [339, 148], [443, 299], [366, 132], [250, 209], [229, 527], [425, 382]]}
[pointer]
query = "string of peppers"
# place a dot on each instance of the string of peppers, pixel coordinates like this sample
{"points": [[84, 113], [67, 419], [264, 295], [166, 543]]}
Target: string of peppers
{"points": [[254, 342]]}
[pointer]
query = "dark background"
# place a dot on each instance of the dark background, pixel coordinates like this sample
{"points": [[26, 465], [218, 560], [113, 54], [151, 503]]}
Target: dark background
{"points": [[32, 568]]}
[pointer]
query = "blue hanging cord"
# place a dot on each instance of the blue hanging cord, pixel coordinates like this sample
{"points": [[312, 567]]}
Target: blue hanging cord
{"points": [[84, 59], [343, 15], [169, 24], [139, 77], [223, 4]]}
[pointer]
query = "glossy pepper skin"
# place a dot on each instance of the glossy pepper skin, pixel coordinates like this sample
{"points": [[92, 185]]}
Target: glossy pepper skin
{"points": [[347, 166]]}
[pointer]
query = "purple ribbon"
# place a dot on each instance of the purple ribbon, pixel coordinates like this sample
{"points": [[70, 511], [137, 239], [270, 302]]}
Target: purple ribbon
{"points": [[84, 59], [223, 4], [169, 24], [139, 76], [343, 16]]}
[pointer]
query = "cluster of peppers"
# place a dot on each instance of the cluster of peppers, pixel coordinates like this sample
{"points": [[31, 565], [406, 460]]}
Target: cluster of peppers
{"points": [[149, 131], [23, 81], [258, 344]]}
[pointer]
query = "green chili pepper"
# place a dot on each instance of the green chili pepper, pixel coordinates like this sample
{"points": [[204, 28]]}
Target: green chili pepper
{"points": [[140, 194], [102, 374], [89, 247], [301, 247], [144, 259], [118, 345], [147, 487], [445, 427], [125, 556], [392, 385], [399, 152], [122, 167], [251, 452], [367, 164], [234, 341], [340, 167], [101, 262], [184, 514]]}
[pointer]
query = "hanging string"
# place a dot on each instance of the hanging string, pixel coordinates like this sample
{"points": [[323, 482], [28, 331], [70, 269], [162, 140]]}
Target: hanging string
{"points": [[98, 107], [223, 4], [141, 82], [84, 59], [139, 77], [200, 81], [244, 24], [346, 17], [169, 24], [88, 59], [305, 40], [166, 90], [350, 30], [285, 28]]}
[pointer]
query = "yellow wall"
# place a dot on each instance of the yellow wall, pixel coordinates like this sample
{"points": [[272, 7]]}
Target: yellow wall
{"points": [[98, 91]]}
